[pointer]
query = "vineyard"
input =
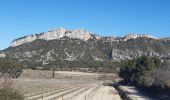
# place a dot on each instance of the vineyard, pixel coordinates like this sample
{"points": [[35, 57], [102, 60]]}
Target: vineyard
{"points": [[65, 89]]}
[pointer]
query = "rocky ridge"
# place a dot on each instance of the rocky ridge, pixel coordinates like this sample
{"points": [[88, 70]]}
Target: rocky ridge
{"points": [[52, 35], [77, 33], [66, 48]]}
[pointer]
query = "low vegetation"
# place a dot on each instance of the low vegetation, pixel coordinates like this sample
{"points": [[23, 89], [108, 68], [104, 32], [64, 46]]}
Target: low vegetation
{"points": [[7, 92], [148, 73], [10, 68], [10, 94]]}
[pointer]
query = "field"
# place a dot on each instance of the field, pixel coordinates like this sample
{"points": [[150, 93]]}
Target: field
{"points": [[67, 75], [65, 86]]}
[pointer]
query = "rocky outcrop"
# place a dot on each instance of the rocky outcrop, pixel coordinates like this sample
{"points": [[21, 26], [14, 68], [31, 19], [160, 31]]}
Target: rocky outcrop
{"points": [[54, 34], [77, 33], [21, 41], [134, 36], [119, 55], [2, 55]]}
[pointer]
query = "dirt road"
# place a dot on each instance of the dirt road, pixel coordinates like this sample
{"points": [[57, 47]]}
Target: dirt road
{"points": [[106, 93], [100, 93]]}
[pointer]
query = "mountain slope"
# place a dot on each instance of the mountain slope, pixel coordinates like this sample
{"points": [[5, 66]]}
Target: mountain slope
{"points": [[79, 48]]}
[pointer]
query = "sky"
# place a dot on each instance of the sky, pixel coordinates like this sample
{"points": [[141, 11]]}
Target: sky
{"points": [[104, 17]]}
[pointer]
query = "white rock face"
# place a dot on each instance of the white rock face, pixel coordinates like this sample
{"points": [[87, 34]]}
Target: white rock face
{"points": [[49, 54], [70, 56], [134, 36], [79, 33], [27, 39], [2, 55], [118, 55], [54, 34]]}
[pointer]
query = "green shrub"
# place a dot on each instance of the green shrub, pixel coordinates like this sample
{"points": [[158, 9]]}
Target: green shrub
{"points": [[133, 71], [148, 73], [13, 69]]}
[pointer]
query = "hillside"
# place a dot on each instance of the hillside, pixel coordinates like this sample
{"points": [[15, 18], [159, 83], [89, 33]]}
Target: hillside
{"points": [[74, 49]]}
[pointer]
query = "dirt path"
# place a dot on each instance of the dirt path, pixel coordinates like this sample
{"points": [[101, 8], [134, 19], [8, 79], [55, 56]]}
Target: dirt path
{"points": [[106, 93]]}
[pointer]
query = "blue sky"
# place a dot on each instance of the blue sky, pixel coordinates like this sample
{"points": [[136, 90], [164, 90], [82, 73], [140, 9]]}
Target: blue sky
{"points": [[105, 17]]}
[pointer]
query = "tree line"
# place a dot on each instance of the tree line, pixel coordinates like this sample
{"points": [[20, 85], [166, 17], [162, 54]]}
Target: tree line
{"points": [[148, 73]]}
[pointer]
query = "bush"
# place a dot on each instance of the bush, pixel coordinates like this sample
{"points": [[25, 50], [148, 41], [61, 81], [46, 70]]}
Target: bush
{"points": [[161, 78], [133, 70], [13, 69], [10, 94], [7, 92]]}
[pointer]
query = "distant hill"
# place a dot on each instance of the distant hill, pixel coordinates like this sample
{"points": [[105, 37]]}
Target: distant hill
{"points": [[74, 49]]}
